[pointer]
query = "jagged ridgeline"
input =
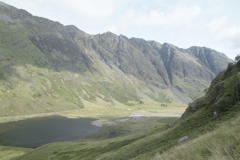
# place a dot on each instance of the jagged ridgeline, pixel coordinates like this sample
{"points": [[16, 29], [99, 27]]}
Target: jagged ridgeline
{"points": [[46, 66]]}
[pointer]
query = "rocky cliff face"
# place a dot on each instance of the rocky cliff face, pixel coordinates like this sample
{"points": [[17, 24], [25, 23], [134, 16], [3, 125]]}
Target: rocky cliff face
{"points": [[46, 66], [222, 96]]}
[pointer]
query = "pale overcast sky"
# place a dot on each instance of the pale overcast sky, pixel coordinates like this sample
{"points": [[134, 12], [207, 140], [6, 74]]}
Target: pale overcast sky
{"points": [[184, 23]]}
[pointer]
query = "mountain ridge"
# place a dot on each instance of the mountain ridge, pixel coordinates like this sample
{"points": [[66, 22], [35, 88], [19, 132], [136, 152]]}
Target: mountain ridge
{"points": [[81, 69]]}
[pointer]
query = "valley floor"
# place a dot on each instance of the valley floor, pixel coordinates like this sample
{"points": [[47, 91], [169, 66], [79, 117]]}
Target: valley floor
{"points": [[111, 113], [127, 121]]}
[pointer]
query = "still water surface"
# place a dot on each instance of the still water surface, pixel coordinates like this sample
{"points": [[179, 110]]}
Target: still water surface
{"points": [[35, 132]]}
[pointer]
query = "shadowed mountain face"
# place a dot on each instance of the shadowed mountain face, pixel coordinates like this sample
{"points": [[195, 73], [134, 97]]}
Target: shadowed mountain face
{"points": [[46, 66]]}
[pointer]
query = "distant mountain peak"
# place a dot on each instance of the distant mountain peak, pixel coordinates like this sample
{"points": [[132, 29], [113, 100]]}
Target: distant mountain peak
{"points": [[21, 14], [165, 44]]}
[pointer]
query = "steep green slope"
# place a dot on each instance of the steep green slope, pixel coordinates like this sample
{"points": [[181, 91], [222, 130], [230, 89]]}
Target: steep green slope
{"points": [[222, 143], [48, 67], [215, 115]]}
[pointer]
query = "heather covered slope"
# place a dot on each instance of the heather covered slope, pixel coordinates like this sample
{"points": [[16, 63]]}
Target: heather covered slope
{"points": [[48, 67]]}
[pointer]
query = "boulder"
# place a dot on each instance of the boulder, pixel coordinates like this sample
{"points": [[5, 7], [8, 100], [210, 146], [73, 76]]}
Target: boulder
{"points": [[183, 139]]}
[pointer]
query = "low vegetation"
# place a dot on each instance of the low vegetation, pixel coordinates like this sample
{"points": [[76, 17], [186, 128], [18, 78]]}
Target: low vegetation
{"points": [[8, 153], [222, 143]]}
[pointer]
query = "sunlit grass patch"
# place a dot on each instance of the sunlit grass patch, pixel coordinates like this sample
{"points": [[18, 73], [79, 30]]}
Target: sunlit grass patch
{"points": [[7, 153]]}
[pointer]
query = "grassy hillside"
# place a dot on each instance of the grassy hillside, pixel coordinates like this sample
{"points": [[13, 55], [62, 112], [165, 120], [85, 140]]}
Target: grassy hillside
{"points": [[223, 143], [211, 123]]}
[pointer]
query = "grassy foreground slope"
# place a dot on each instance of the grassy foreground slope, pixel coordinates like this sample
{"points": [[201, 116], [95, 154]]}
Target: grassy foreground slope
{"points": [[211, 123], [222, 143]]}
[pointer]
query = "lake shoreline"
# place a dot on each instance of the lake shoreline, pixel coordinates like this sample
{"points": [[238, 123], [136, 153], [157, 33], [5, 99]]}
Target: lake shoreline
{"points": [[35, 132], [135, 116]]}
